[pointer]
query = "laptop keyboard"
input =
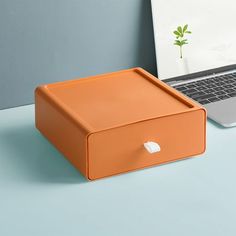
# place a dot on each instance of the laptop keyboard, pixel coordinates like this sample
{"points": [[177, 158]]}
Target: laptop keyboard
{"points": [[210, 90]]}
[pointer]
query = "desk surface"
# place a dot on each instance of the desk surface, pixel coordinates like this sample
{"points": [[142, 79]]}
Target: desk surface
{"points": [[42, 194]]}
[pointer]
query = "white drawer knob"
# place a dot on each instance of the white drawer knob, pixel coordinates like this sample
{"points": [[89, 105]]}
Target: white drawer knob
{"points": [[152, 147]]}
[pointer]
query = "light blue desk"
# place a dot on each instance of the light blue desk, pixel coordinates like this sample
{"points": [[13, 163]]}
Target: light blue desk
{"points": [[41, 194]]}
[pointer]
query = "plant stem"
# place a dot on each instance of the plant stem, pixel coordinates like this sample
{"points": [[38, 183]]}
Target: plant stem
{"points": [[181, 53]]}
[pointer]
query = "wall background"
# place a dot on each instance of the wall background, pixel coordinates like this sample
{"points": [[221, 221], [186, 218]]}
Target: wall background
{"points": [[54, 40]]}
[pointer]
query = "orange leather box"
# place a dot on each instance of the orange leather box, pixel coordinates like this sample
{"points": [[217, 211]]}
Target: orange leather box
{"points": [[101, 123]]}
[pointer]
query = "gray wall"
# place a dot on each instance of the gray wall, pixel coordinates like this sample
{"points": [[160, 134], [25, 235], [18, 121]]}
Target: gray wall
{"points": [[43, 41]]}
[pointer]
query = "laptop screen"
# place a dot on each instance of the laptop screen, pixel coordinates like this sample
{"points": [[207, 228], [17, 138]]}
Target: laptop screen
{"points": [[192, 36]]}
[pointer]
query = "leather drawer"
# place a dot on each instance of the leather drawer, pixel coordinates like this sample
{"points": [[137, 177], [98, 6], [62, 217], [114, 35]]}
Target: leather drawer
{"points": [[122, 149], [100, 123]]}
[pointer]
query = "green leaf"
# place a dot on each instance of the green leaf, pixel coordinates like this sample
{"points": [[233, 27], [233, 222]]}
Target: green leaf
{"points": [[177, 42], [182, 42], [185, 28], [180, 29], [176, 33], [188, 32]]}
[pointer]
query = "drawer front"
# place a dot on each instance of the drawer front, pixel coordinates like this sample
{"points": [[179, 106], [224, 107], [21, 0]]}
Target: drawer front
{"points": [[122, 149]]}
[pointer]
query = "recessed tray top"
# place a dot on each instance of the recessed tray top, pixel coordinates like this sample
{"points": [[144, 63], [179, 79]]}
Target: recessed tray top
{"points": [[118, 98]]}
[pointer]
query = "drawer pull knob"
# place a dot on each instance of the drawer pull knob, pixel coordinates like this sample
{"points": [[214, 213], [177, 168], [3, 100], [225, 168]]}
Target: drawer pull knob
{"points": [[152, 147]]}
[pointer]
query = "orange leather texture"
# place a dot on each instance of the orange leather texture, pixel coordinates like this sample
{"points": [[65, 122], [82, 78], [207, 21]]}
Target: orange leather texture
{"points": [[100, 123]]}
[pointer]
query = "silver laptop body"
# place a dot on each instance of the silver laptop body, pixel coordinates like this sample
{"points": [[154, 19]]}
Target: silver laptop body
{"points": [[215, 89]]}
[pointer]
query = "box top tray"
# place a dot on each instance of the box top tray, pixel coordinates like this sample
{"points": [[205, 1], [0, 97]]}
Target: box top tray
{"points": [[118, 98]]}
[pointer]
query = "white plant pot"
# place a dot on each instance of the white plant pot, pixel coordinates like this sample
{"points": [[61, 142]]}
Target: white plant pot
{"points": [[183, 66]]}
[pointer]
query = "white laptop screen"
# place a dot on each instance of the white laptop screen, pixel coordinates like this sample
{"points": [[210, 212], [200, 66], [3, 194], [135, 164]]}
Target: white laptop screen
{"points": [[211, 43]]}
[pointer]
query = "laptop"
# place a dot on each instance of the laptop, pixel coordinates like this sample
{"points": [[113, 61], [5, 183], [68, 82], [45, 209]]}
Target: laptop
{"points": [[210, 78], [215, 89]]}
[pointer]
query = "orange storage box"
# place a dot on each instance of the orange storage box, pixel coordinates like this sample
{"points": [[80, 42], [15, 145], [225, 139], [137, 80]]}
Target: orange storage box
{"points": [[118, 122]]}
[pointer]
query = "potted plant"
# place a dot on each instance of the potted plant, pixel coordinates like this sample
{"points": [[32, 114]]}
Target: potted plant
{"points": [[180, 41]]}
